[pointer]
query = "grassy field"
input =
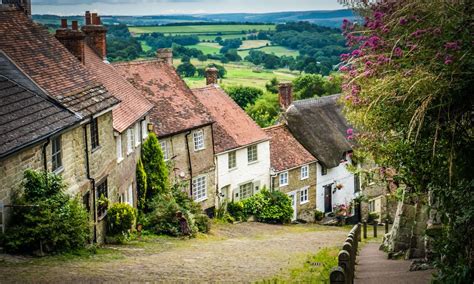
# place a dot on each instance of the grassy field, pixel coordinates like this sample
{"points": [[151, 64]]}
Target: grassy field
{"points": [[201, 29], [277, 50], [207, 47], [249, 44], [244, 74]]}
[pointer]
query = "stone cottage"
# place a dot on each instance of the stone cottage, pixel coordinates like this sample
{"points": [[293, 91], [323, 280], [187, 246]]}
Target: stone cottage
{"points": [[319, 125], [84, 155], [182, 124], [242, 149], [293, 171]]}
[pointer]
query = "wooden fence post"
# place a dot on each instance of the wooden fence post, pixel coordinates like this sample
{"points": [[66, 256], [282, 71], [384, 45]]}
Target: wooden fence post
{"points": [[386, 226], [349, 248], [337, 276], [359, 232], [344, 261], [365, 230], [375, 228]]}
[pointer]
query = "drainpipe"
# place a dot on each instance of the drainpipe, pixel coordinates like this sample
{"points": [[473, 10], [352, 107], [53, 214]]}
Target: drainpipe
{"points": [[190, 165], [45, 161], [88, 171]]}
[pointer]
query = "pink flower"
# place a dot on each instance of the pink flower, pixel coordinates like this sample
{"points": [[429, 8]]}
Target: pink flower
{"points": [[453, 45], [343, 69], [344, 56], [350, 131], [448, 59], [403, 21], [398, 52], [356, 53]]}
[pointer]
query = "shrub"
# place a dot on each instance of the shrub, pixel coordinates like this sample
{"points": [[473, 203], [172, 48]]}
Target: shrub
{"points": [[50, 220], [120, 219], [236, 210], [269, 207], [372, 217], [155, 167], [318, 215], [203, 223], [141, 184]]}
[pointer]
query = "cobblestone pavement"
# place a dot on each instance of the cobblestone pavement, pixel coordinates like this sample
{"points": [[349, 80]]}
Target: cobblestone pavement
{"points": [[231, 253], [374, 268]]}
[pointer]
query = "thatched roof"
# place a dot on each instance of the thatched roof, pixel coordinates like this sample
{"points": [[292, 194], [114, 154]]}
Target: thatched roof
{"points": [[319, 125]]}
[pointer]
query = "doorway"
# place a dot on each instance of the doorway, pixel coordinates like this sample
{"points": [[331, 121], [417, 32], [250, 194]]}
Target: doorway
{"points": [[327, 198], [292, 196]]}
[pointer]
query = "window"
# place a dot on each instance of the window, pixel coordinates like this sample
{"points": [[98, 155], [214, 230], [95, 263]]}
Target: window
{"points": [[246, 190], [198, 140], [371, 206], [165, 149], [86, 201], [324, 170], [95, 133], [137, 134], [118, 144], [304, 172], [130, 194], [199, 188], [130, 140], [144, 129], [232, 160], [304, 195], [252, 154], [56, 155], [284, 179], [101, 195]]}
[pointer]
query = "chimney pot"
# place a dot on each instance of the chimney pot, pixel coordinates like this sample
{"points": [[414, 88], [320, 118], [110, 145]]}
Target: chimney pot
{"points": [[88, 18], [98, 22], [75, 26], [63, 23], [285, 95], [212, 75], [165, 55], [94, 18]]}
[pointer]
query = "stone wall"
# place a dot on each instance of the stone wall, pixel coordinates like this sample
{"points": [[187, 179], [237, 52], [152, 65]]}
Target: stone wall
{"points": [[295, 184], [201, 162]]}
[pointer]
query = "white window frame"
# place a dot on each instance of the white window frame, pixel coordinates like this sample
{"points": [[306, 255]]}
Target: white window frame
{"points": [[251, 152], [199, 188], [165, 149], [58, 154], [283, 179], [118, 148], [130, 140], [130, 194], [137, 134], [243, 187], [198, 139], [144, 129], [304, 169], [304, 195], [234, 154]]}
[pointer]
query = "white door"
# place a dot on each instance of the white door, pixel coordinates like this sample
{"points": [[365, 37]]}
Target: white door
{"points": [[292, 196]]}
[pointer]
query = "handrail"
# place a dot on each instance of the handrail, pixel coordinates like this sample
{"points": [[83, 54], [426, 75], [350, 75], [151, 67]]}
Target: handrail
{"points": [[345, 271]]}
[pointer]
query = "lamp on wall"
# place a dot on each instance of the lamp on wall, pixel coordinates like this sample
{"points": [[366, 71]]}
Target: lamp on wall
{"points": [[150, 127]]}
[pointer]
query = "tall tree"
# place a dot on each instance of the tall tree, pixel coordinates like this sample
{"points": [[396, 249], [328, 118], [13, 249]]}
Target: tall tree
{"points": [[155, 167]]}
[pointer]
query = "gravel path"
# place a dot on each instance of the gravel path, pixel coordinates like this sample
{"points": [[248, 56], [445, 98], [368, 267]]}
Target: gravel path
{"points": [[232, 253]]}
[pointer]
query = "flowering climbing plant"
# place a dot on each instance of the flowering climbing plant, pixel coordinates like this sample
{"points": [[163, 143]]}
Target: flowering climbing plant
{"points": [[408, 90]]}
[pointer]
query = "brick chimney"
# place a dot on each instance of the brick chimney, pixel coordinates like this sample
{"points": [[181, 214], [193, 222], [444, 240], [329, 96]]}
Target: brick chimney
{"points": [[165, 55], [95, 34], [285, 95], [24, 5], [72, 39], [212, 75]]}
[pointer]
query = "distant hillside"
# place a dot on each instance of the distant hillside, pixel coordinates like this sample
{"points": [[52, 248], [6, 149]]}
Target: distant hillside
{"points": [[323, 18]]}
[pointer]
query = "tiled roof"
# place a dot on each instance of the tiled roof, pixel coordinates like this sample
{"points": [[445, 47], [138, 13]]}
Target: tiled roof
{"points": [[27, 117], [320, 126], [233, 128], [133, 105], [50, 65], [285, 151], [175, 109]]}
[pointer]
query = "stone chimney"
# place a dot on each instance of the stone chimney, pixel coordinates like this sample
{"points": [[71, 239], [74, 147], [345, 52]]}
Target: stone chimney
{"points": [[165, 55], [95, 34], [72, 39], [212, 75], [24, 5], [285, 95]]}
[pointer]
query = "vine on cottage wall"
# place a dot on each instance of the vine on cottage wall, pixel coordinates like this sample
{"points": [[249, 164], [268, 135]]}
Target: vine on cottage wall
{"points": [[408, 91]]}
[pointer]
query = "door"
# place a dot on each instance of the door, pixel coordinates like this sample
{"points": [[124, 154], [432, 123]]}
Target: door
{"points": [[292, 196], [327, 198]]}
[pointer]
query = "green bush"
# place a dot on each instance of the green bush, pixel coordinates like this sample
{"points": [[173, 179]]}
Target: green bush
{"points": [[236, 211], [120, 219], [269, 207], [49, 221], [141, 185], [372, 217], [318, 215], [203, 223], [155, 167]]}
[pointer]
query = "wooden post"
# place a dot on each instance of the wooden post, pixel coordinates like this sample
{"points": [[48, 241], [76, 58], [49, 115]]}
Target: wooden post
{"points": [[375, 228], [337, 276], [359, 232], [350, 250], [386, 226], [2, 217], [365, 230], [344, 261]]}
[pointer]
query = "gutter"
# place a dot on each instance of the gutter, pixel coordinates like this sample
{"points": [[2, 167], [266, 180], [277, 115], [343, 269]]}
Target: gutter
{"points": [[91, 180], [190, 164]]}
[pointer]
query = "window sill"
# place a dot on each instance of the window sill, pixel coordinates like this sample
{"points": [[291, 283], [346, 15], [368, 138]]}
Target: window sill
{"points": [[96, 149], [304, 178], [119, 160], [281, 185], [304, 202], [199, 150], [252, 162], [59, 170], [233, 169], [137, 144], [128, 153], [201, 199]]}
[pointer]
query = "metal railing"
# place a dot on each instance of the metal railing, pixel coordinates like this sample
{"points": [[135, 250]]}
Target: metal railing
{"points": [[345, 271]]}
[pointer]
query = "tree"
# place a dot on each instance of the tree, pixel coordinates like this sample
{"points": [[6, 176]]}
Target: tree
{"points": [[141, 185], [408, 90], [308, 86], [272, 86], [155, 167], [244, 96], [220, 68], [186, 69], [265, 111]]}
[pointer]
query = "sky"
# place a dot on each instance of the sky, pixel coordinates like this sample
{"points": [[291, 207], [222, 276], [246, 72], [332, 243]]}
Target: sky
{"points": [[165, 7]]}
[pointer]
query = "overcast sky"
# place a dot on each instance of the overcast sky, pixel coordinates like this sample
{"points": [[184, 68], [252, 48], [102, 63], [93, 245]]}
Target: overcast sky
{"points": [[160, 7]]}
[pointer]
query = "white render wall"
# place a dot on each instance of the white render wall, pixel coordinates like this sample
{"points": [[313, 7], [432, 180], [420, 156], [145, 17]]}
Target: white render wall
{"points": [[336, 175], [256, 172]]}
